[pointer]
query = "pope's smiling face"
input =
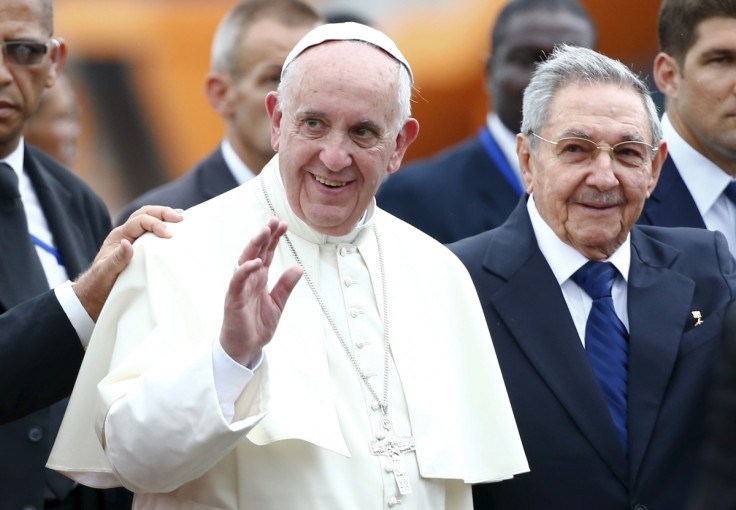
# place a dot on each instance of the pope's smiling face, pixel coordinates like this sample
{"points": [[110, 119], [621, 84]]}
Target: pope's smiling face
{"points": [[338, 134]]}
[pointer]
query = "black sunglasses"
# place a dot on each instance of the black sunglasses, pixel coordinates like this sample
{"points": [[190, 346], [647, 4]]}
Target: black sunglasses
{"points": [[24, 53]]}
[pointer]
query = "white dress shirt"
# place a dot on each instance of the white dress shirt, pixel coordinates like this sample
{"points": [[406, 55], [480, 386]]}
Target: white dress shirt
{"points": [[56, 274], [705, 181], [565, 260]]}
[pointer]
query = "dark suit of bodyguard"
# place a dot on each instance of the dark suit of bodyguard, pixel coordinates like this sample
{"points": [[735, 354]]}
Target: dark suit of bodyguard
{"points": [[79, 222], [590, 156], [72, 223]]}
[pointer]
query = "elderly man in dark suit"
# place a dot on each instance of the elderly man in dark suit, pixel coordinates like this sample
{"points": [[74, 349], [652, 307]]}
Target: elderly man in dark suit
{"points": [[51, 226], [605, 332], [696, 71], [474, 185], [248, 50]]}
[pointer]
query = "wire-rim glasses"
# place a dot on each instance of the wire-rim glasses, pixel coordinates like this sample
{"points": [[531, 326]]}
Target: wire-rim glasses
{"points": [[575, 150]]}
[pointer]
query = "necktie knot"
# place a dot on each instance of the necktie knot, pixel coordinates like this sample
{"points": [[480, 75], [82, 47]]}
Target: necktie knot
{"points": [[596, 278], [8, 182], [730, 191]]}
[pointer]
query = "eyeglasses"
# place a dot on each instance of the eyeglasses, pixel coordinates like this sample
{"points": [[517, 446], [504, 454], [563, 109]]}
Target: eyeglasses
{"points": [[574, 150], [24, 53]]}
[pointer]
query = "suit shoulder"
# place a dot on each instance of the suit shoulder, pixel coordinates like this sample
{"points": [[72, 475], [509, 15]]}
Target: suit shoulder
{"points": [[65, 177], [473, 247], [680, 237]]}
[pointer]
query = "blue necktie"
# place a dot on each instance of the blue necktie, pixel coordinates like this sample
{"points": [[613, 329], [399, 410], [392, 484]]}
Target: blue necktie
{"points": [[606, 340]]}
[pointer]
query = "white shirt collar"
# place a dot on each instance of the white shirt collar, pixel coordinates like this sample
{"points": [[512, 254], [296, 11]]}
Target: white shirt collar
{"points": [[562, 258], [703, 178], [239, 169], [506, 140]]}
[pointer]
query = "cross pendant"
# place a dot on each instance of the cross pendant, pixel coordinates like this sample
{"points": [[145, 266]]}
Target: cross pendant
{"points": [[394, 447]]}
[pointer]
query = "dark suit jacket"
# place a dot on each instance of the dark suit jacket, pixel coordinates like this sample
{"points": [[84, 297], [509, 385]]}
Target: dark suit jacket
{"points": [[40, 356], [716, 489], [574, 453], [209, 178], [671, 204], [459, 193], [79, 222]]}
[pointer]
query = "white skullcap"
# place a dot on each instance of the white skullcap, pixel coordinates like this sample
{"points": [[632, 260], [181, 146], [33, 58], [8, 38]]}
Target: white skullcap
{"points": [[349, 31]]}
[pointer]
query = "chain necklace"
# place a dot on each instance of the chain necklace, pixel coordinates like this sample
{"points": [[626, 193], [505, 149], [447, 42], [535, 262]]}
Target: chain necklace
{"points": [[382, 402], [387, 443]]}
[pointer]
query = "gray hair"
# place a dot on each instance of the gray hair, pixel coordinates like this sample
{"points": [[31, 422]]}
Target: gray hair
{"points": [[226, 51], [404, 87], [575, 65]]}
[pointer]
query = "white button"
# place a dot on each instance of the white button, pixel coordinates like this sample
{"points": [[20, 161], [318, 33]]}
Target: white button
{"points": [[380, 435], [361, 343], [393, 502], [355, 311], [349, 281], [389, 468]]}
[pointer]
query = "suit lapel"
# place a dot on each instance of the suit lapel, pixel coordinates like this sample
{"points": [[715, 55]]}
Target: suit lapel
{"points": [[540, 323], [659, 303], [55, 201], [215, 177], [671, 204]]}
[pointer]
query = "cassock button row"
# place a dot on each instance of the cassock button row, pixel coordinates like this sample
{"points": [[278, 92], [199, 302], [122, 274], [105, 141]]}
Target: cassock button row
{"points": [[392, 502]]}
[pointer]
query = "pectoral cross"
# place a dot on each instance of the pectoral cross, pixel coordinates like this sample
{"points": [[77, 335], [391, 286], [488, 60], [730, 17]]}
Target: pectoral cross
{"points": [[394, 447]]}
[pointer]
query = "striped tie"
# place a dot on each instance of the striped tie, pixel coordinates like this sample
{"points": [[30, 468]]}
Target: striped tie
{"points": [[606, 340]]}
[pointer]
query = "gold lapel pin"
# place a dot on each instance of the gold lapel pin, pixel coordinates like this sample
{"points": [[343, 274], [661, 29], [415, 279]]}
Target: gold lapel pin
{"points": [[698, 317]]}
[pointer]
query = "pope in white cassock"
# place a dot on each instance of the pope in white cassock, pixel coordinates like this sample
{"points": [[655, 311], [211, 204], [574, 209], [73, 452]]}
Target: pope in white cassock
{"points": [[365, 378]]}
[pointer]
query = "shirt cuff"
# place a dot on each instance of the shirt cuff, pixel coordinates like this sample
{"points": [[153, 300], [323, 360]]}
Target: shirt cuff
{"points": [[230, 378], [78, 316]]}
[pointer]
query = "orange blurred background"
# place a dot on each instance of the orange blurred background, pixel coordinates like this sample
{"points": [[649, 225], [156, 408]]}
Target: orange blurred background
{"points": [[139, 66]]}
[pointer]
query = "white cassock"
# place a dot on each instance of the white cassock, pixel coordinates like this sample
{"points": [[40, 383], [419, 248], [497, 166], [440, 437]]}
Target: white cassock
{"points": [[303, 425]]}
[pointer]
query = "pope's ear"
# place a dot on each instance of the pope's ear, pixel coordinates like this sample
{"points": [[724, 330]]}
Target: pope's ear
{"points": [[275, 114], [404, 139]]}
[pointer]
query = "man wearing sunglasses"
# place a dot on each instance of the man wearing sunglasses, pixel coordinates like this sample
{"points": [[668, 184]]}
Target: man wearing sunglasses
{"points": [[51, 227], [605, 331]]}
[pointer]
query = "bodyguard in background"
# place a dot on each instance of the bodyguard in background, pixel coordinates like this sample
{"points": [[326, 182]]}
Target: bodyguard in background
{"points": [[249, 47], [474, 185], [696, 71]]}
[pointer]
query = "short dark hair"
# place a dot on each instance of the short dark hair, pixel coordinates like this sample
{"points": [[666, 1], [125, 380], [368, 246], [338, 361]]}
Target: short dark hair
{"points": [[515, 7], [679, 19], [226, 44]]}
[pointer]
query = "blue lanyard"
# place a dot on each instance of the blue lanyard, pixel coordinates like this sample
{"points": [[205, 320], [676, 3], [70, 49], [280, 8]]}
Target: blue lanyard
{"points": [[53, 251], [494, 152]]}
